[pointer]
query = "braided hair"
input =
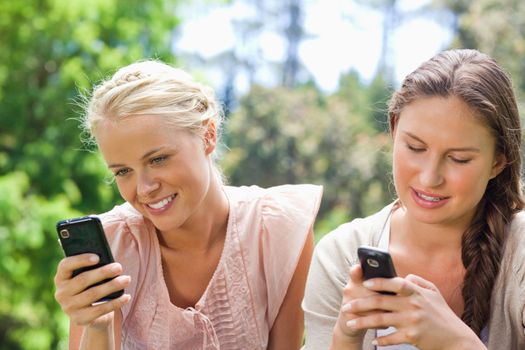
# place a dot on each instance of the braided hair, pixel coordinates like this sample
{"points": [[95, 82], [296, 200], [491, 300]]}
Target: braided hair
{"points": [[485, 87], [152, 88]]}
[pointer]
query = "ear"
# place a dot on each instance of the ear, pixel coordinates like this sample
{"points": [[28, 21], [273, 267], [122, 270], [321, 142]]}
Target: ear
{"points": [[499, 164], [210, 136]]}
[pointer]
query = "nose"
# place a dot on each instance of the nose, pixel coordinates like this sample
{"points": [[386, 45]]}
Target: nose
{"points": [[431, 174], [146, 184]]}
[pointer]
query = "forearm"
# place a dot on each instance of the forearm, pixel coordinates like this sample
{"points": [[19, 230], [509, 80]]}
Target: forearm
{"points": [[98, 338], [473, 343]]}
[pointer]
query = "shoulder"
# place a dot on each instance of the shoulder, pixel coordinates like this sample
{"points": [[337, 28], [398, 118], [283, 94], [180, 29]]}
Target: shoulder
{"points": [[508, 299], [517, 226], [515, 242], [336, 252], [121, 217], [512, 269], [333, 256], [257, 205], [255, 195], [280, 211], [514, 253], [120, 214], [518, 220], [341, 244], [272, 226]]}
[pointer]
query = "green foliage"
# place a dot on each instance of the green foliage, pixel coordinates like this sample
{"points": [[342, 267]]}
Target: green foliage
{"points": [[30, 252], [500, 33], [330, 221], [293, 136], [49, 52], [496, 28]]}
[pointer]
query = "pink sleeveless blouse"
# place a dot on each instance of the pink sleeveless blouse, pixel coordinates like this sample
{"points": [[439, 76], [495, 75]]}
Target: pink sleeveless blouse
{"points": [[266, 232]]}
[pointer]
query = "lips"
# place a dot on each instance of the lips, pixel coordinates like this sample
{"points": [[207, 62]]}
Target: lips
{"points": [[427, 200], [162, 203]]}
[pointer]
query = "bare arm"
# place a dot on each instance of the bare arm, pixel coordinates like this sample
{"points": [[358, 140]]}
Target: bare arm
{"points": [[287, 331], [85, 338], [92, 324]]}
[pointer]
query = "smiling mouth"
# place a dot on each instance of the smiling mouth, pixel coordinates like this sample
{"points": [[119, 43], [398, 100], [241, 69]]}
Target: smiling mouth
{"points": [[161, 204], [429, 198]]}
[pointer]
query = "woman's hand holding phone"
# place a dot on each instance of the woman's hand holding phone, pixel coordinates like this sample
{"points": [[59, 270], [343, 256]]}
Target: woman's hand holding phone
{"points": [[419, 313], [89, 282], [346, 337], [414, 306], [80, 301], [374, 263]]}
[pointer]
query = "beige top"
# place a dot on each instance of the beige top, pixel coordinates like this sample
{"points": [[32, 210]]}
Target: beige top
{"points": [[266, 232], [337, 251]]}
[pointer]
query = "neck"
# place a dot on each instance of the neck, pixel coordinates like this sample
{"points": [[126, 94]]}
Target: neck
{"points": [[430, 251], [205, 227], [427, 238]]}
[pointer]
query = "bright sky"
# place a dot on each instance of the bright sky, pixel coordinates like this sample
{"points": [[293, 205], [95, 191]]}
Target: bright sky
{"points": [[342, 36]]}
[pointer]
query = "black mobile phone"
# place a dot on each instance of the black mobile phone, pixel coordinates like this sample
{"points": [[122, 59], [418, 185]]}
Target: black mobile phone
{"points": [[86, 235], [376, 262]]}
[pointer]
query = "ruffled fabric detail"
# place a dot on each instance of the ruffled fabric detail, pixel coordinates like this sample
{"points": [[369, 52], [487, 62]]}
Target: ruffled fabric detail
{"points": [[239, 306]]}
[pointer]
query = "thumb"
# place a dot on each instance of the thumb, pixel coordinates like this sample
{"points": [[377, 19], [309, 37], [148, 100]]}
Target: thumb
{"points": [[356, 273]]}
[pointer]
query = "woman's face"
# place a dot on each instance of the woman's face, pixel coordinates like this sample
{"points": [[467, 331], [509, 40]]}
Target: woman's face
{"points": [[443, 158], [162, 171]]}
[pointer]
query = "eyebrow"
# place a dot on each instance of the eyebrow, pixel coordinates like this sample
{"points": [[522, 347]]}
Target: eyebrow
{"points": [[456, 149], [146, 155]]}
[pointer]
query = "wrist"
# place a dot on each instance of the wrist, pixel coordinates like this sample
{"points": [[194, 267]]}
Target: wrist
{"points": [[100, 326], [340, 340], [469, 343], [98, 336]]}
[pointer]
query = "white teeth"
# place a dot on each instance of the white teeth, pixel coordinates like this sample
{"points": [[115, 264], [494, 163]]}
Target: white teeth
{"points": [[428, 198], [162, 203]]}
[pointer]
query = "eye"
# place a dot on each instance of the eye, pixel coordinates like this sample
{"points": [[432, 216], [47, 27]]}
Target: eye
{"points": [[122, 172], [158, 160], [415, 149], [460, 161]]}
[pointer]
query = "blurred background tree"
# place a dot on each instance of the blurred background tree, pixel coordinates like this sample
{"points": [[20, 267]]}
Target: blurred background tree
{"points": [[281, 129], [494, 27], [281, 135], [49, 51]]}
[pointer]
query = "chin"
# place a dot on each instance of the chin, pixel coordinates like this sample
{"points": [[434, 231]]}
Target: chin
{"points": [[161, 224]]}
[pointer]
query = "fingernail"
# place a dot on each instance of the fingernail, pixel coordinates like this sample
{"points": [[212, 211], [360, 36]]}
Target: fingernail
{"points": [[115, 268], [368, 284], [93, 258], [351, 323], [346, 307], [123, 279], [374, 342]]}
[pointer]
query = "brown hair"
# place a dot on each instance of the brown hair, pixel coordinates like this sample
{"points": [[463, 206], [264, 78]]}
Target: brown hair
{"points": [[485, 87]]}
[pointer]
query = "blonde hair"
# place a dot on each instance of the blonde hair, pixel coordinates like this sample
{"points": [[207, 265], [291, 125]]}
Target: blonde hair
{"points": [[157, 89]]}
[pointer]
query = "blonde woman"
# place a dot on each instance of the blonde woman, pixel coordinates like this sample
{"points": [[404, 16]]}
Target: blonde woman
{"points": [[203, 265]]}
